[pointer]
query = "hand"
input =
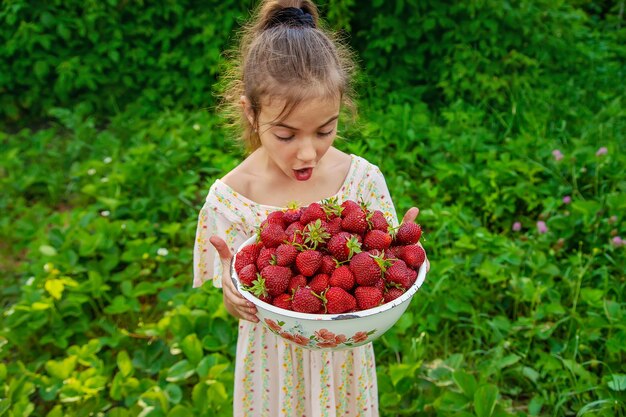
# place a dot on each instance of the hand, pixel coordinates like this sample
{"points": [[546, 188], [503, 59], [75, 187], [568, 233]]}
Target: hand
{"points": [[410, 217], [234, 302]]}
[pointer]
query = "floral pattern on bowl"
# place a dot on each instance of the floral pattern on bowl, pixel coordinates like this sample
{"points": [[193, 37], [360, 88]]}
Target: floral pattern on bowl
{"points": [[322, 338]]}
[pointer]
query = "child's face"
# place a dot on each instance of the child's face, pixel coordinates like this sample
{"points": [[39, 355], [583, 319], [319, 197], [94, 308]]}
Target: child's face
{"points": [[297, 143]]}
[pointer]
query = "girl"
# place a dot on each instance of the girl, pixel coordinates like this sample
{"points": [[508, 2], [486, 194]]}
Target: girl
{"points": [[290, 84]]}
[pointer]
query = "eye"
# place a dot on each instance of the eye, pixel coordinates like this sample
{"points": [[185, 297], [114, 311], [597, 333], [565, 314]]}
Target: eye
{"points": [[326, 133], [284, 139]]}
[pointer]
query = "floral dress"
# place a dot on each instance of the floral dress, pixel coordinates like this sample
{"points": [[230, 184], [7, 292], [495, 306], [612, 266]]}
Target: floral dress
{"points": [[273, 377]]}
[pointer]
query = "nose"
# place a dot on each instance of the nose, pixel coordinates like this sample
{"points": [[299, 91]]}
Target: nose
{"points": [[306, 150]]}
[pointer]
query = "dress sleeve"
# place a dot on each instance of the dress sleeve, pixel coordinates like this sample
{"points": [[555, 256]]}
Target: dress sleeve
{"points": [[220, 216], [375, 193], [206, 262]]}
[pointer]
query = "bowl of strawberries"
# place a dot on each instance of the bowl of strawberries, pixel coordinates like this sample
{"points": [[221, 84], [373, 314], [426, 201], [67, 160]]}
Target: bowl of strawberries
{"points": [[330, 276]]}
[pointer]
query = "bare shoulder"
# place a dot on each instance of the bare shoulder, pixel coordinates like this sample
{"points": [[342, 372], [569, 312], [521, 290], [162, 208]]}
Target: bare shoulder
{"points": [[339, 161], [241, 177]]}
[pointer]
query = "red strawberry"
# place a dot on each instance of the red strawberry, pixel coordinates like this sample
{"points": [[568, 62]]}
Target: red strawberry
{"points": [[311, 213], [282, 301], [334, 226], [246, 256], [308, 262], [408, 233], [265, 258], [392, 252], [293, 213], [266, 298], [377, 239], [295, 282], [365, 269], [276, 279], [306, 301], [368, 297], [392, 293], [343, 245], [339, 301], [276, 217], [347, 206], [342, 277], [355, 222], [315, 234], [412, 255], [377, 221], [272, 235], [398, 273], [328, 265], [319, 283], [248, 275], [380, 284], [286, 254], [294, 233]]}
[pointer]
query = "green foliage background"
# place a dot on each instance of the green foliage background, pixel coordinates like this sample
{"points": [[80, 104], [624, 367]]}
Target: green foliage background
{"points": [[110, 142]]}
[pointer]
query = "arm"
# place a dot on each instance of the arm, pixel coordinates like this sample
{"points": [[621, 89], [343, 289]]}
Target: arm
{"points": [[212, 256]]}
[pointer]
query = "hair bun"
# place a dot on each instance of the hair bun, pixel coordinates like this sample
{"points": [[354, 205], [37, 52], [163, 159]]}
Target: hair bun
{"points": [[291, 16]]}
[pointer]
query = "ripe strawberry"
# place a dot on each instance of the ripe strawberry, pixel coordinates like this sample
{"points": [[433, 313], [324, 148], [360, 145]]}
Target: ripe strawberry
{"points": [[248, 275], [365, 269], [319, 283], [266, 256], [339, 301], [276, 217], [331, 208], [308, 262], [282, 301], [315, 234], [343, 246], [266, 298], [313, 212], [295, 282], [272, 235], [377, 221], [398, 273], [276, 279], [392, 252], [412, 255], [293, 213], [294, 233], [380, 284], [368, 297], [286, 254], [355, 222], [408, 233], [342, 277], [334, 226], [377, 239], [246, 256], [328, 265], [306, 301], [347, 206], [392, 293]]}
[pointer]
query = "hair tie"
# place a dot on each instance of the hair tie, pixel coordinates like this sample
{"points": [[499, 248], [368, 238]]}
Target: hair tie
{"points": [[291, 16]]}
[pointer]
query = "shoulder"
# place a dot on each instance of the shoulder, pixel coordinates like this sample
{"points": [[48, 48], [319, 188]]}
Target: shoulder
{"points": [[243, 176], [365, 169]]}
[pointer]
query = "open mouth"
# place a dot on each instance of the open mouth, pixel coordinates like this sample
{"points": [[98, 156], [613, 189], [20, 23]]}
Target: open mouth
{"points": [[303, 174]]}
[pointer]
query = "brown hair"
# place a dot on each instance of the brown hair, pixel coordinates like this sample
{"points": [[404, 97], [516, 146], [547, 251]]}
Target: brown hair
{"points": [[287, 61]]}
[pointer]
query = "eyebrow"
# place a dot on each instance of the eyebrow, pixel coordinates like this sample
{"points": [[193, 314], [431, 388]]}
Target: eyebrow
{"points": [[293, 128]]}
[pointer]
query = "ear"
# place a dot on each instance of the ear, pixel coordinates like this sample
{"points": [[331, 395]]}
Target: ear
{"points": [[247, 110]]}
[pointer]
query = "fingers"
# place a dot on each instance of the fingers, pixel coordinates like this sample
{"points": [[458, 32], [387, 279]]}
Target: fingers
{"points": [[411, 215], [221, 247], [238, 306]]}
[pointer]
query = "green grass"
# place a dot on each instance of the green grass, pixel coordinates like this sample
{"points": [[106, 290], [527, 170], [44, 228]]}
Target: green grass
{"points": [[98, 223]]}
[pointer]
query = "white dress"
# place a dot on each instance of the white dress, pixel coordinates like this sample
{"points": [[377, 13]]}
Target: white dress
{"points": [[273, 377]]}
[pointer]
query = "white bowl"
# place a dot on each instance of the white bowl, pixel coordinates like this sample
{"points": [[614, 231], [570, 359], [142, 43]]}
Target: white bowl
{"points": [[330, 331]]}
